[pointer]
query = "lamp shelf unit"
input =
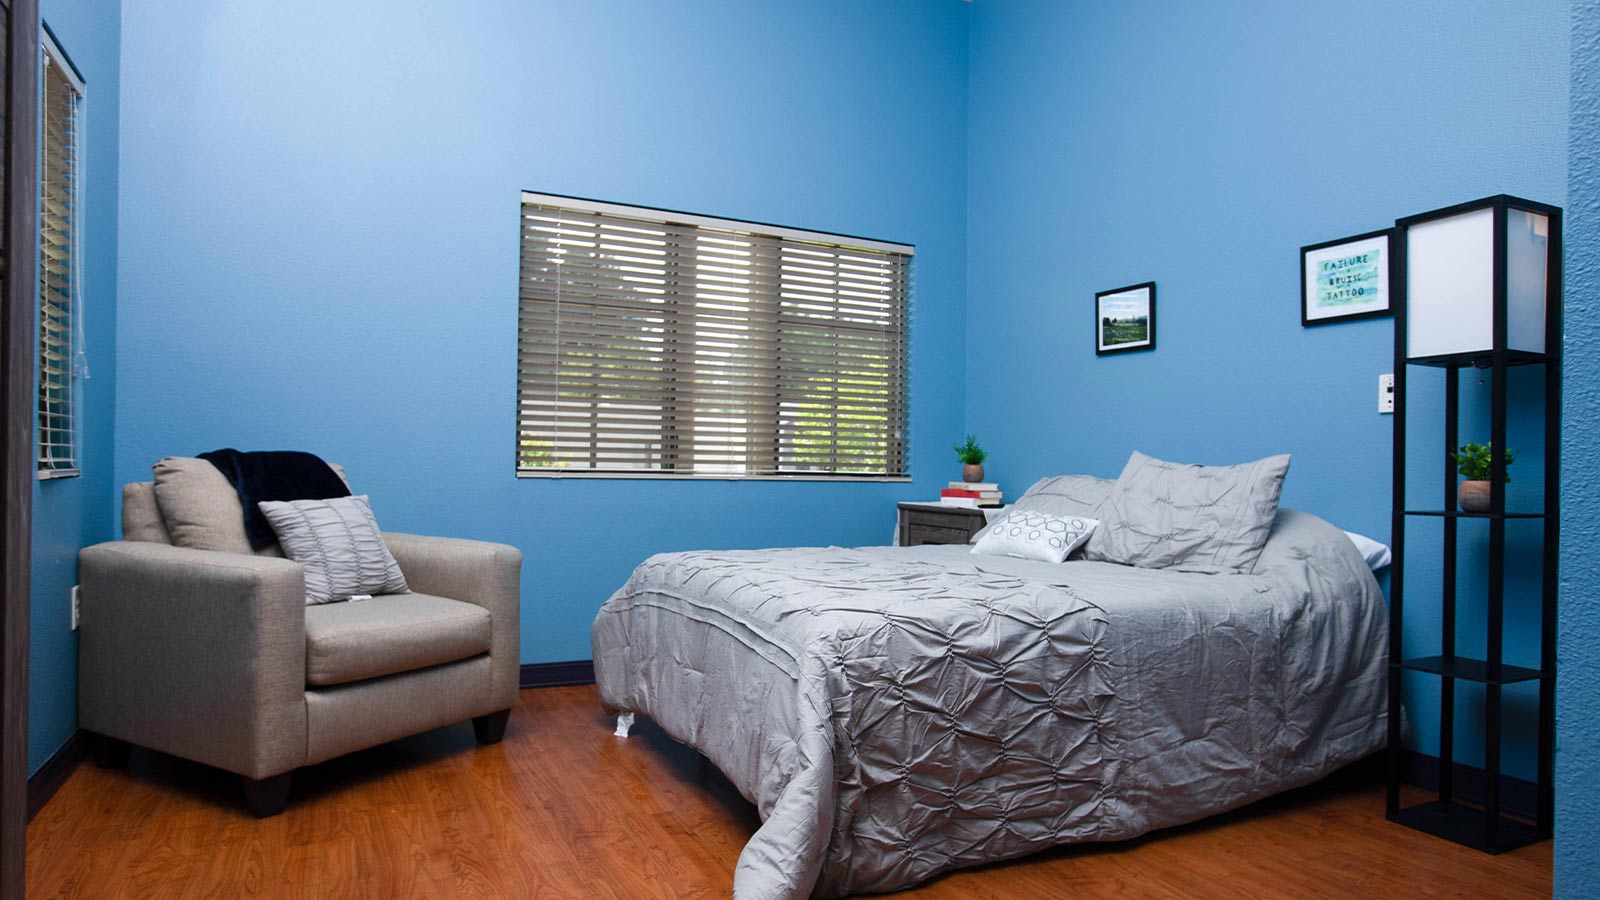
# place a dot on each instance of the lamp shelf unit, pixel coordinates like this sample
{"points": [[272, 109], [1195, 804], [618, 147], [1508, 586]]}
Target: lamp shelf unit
{"points": [[1465, 514], [1478, 286], [1478, 360], [1463, 824], [1466, 668]]}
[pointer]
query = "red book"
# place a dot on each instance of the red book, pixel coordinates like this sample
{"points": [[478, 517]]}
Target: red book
{"points": [[970, 495]]}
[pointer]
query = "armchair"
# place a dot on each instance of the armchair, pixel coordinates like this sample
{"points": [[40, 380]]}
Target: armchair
{"points": [[214, 656]]}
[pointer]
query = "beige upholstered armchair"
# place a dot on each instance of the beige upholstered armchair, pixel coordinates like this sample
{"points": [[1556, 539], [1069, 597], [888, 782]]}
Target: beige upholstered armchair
{"points": [[214, 656]]}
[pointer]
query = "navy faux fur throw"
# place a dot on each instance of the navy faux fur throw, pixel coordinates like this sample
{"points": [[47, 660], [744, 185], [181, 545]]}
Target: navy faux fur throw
{"points": [[274, 475]]}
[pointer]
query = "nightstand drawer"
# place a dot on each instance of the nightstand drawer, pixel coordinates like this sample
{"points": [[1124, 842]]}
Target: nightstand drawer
{"points": [[924, 524], [937, 518], [932, 534]]}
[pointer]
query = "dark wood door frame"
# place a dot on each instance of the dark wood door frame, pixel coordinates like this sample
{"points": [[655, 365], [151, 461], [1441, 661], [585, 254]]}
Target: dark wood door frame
{"points": [[17, 300]]}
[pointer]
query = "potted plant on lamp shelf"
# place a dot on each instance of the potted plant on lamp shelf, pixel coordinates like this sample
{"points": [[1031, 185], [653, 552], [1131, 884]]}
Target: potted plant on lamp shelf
{"points": [[972, 457], [1475, 463]]}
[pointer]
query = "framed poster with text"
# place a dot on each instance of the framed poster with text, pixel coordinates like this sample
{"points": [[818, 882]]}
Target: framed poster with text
{"points": [[1345, 279]]}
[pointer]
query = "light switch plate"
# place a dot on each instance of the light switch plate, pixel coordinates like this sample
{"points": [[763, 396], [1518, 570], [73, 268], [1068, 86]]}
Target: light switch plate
{"points": [[1386, 393], [74, 607]]}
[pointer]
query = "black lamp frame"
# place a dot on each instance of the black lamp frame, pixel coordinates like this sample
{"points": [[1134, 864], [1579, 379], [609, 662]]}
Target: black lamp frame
{"points": [[1481, 827]]}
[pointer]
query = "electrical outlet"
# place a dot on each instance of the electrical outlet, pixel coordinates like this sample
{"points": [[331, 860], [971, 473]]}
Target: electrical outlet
{"points": [[74, 607], [1385, 393]]}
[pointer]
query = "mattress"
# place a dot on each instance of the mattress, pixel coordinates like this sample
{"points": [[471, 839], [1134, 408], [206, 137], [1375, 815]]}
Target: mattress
{"points": [[895, 713]]}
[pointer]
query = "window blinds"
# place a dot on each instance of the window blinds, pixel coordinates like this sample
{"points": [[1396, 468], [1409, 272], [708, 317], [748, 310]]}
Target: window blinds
{"points": [[58, 266], [667, 344]]}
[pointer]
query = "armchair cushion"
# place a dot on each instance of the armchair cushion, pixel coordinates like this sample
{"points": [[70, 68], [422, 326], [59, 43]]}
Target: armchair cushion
{"points": [[353, 641], [484, 574], [200, 508], [141, 517]]}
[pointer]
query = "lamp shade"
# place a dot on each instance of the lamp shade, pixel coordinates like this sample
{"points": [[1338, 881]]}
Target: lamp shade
{"points": [[1477, 279]]}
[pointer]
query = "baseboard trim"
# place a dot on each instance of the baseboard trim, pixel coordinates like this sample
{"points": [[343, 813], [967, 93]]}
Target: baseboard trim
{"points": [[43, 784], [1517, 797], [557, 674]]}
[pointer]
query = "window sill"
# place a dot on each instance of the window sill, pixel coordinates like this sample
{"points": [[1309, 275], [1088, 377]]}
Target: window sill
{"points": [[53, 474], [643, 476]]}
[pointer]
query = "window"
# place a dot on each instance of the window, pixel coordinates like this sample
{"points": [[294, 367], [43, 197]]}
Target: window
{"points": [[60, 263], [663, 344]]}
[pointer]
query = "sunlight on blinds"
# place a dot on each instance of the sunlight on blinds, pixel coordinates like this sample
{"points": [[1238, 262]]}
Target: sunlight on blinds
{"points": [[662, 344]]}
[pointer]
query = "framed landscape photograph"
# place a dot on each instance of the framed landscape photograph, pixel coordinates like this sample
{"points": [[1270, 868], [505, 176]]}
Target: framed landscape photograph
{"points": [[1125, 319], [1345, 279]]}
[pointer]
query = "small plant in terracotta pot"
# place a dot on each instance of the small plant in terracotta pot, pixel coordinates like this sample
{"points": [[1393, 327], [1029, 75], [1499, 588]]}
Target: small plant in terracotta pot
{"points": [[1475, 463], [972, 457]]}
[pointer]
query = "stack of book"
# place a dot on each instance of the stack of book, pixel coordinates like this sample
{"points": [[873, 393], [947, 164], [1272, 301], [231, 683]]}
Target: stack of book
{"points": [[970, 494]]}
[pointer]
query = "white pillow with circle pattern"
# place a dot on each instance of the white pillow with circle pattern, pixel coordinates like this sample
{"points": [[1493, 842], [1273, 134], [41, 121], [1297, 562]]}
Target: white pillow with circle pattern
{"points": [[1030, 534]]}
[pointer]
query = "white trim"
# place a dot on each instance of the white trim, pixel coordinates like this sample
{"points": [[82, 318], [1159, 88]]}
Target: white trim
{"points": [[668, 476], [665, 216], [51, 49]]}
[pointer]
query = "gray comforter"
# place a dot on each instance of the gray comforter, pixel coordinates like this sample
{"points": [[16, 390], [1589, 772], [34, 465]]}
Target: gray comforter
{"points": [[898, 712]]}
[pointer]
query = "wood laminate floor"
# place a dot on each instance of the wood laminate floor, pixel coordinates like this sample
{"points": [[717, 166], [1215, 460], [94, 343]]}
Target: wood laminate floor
{"points": [[562, 809]]}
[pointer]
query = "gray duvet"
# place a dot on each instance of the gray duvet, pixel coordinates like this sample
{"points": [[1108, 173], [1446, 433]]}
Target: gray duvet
{"points": [[898, 712]]}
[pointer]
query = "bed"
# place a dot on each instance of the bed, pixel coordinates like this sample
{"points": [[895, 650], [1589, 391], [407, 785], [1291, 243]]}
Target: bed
{"points": [[895, 713]]}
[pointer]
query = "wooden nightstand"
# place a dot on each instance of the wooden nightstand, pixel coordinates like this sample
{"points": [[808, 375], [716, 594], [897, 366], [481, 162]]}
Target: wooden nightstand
{"points": [[923, 523]]}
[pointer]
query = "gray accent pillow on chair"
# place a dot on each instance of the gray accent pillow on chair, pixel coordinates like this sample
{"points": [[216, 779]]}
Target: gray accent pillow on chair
{"points": [[338, 544], [1211, 519]]}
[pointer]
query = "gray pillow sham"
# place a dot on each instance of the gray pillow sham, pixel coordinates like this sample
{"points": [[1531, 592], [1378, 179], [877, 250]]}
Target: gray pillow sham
{"points": [[338, 544], [1063, 496], [1211, 519]]}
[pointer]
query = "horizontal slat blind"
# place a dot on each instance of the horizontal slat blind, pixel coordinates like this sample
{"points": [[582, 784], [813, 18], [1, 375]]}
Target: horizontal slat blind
{"points": [[58, 242], [695, 347]]}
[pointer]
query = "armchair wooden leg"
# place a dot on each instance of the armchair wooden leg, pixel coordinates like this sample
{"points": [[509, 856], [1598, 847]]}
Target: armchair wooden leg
{"points": [[492, 727], [268, 796], [107, 752]]}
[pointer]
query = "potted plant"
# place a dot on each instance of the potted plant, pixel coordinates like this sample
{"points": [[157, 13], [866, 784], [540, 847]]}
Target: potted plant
{"points": [[1475, 463], [972, 457]]}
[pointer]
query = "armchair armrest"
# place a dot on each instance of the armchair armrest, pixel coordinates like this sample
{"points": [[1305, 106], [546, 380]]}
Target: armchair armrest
{"points": [[478, 572], [194, 652]]}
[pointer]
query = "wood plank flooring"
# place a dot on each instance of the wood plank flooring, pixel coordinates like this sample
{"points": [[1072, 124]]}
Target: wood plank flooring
{"points": [[562, 809]]}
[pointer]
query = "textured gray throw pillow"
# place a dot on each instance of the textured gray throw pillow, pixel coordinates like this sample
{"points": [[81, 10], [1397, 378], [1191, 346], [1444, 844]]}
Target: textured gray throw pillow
{"points": [[1212, 519], [338, 543], [1066, 496]]}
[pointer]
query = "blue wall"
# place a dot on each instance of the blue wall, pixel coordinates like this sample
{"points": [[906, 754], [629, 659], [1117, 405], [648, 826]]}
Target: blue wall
{"points": [[321, 250], [1200, 146], [320, 234], [74, 512], [1578, 684]]}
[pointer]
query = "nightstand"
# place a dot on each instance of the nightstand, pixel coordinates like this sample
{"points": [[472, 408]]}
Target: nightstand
{"points": [[927, 523]]}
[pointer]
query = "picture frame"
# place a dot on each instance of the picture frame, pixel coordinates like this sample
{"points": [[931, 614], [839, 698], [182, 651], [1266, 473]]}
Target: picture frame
{"points": [[1347, 279], [1125, 319]]}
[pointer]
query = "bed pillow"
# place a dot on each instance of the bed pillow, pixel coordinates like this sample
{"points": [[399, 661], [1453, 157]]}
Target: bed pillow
{"points": [[1376, 553], [338, 544], [1060, 495], [1211, 519], [1027, 534]]}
